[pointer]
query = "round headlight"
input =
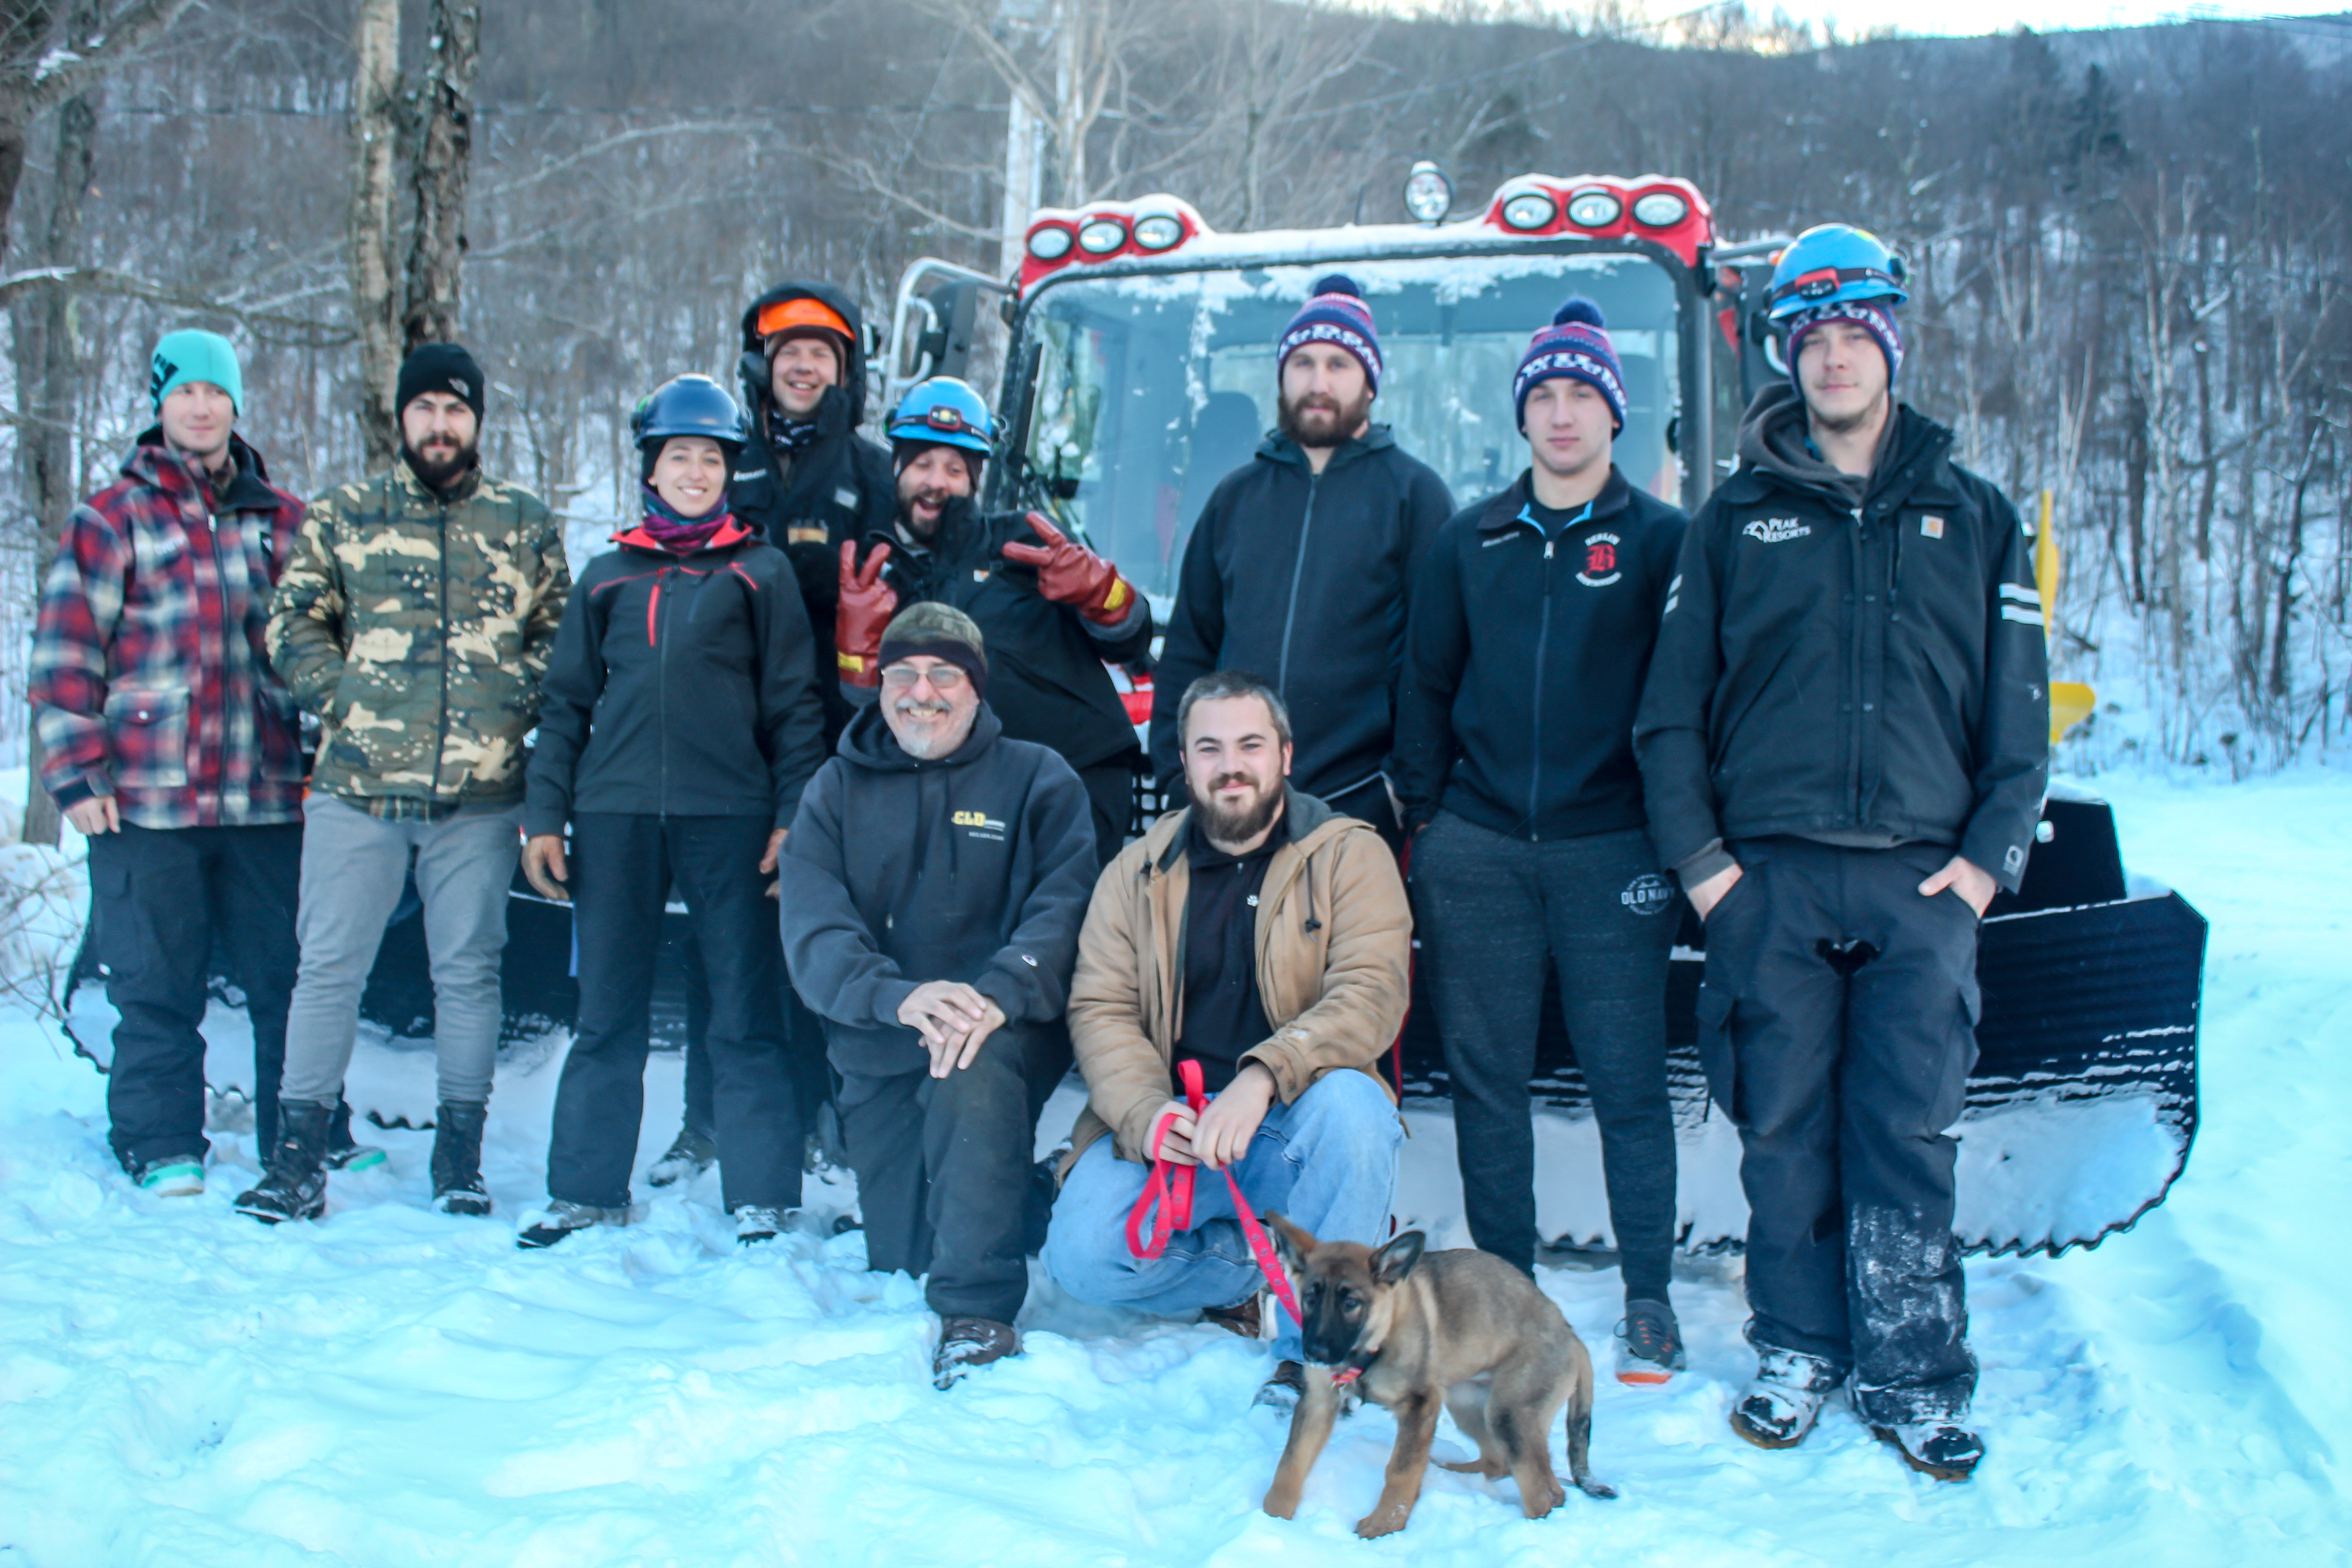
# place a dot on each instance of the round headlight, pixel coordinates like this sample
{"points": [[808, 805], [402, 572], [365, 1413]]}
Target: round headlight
{"points": [[1158, 232], [1528, 210], [1660, 209], [1594, 209], [1428, 194], [1102, 237], [1050, 243]]}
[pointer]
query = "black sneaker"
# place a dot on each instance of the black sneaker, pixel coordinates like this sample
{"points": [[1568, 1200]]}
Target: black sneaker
{"points": [[1939, 1448], [172, 1176], [1648, 1344], [561, 1219]]}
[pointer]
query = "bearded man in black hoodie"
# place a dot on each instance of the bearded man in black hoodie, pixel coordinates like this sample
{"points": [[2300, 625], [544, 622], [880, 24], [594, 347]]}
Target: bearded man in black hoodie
{"points": [[932, 890]]}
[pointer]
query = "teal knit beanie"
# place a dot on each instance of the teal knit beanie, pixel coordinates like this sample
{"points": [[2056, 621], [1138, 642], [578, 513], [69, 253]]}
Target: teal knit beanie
{"points": [[195, 355]]}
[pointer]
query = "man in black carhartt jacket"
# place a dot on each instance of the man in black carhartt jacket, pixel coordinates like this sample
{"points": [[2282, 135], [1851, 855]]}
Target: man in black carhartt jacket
{"points": [[933, 887], [1845, 742], [1300, 567], [1531, 631]]}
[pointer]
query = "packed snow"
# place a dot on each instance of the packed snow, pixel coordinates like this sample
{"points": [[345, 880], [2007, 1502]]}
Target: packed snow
{"points": [[181, 1386]]}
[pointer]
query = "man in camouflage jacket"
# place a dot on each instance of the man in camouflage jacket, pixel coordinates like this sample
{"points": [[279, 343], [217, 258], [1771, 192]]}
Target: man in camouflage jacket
{"points": [[415, 619]]}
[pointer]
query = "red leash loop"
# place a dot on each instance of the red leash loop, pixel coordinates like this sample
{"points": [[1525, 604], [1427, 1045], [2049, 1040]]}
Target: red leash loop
{"points": [[1165, 1204]]}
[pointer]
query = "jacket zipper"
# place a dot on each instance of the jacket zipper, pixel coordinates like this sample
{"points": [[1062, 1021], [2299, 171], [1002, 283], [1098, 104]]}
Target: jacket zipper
{"points": [[441, 732], [661, 684], [1535, 749], [1297, 571], [1859, 579]]}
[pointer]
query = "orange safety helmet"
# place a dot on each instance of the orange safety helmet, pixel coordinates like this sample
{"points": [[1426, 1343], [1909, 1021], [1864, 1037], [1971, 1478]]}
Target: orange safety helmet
{"points": [[796, 317]]}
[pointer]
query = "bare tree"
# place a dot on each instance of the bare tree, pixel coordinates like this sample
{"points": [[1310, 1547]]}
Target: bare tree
{"points": [[444, 163], [42, 65], [375, 135]]}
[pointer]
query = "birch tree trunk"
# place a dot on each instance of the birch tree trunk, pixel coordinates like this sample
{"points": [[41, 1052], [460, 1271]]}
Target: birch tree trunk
{"points": [[444, 165], [375, 307]]}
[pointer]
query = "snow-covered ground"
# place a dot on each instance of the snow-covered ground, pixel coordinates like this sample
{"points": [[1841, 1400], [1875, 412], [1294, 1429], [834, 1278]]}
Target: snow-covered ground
{"points": [[179, 1385]]}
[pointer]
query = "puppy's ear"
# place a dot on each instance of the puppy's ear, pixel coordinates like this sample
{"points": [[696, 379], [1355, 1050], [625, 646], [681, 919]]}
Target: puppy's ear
{"points": [[1290, 1244], [1393, 1262]]}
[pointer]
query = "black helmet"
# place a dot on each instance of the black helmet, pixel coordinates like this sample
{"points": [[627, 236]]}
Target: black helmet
{"points": [[689, 406]]}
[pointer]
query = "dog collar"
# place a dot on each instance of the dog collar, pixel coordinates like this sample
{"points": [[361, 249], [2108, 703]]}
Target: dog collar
{"points": [[1353, 1370]]}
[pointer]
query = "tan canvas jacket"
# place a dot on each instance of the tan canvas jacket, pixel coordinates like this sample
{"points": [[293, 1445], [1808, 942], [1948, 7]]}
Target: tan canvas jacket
{"points": [[1334, 944]]}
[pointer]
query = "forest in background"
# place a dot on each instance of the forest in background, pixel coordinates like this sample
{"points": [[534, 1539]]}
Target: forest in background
{"points": [[2130, 247]]}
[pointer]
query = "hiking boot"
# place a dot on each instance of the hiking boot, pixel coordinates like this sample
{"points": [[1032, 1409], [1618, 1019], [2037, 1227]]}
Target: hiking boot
{"points": [[172, 1176], [1284, 1390], [1245, 1318], [1648, 1344], [457, 1160], [754, 1224], [967, 1342], [1937, 1449], [1780, 1406], [293, 1183], [561, 1219], [691, 1153]]}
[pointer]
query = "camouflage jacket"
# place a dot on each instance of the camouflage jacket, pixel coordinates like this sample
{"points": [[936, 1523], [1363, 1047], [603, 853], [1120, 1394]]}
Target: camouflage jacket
{"points": [[418, 630]]}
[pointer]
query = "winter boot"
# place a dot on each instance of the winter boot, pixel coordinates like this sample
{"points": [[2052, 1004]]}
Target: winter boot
{"points": [[754, 1224], [967, 1342], [1284, 1390], [691, 1153], [1781, 1405], [172, 1176], [1246, 1317], [457, 1160], [293, 1183], [561, 1219], [1937, 1449], [1648, 1344]]}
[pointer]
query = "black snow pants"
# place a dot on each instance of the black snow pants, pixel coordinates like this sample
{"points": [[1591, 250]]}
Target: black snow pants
{"points": [[804, 1061], [944, 1168], [621, 868], [1491, 911], [160, 896], [1838, 1026]]}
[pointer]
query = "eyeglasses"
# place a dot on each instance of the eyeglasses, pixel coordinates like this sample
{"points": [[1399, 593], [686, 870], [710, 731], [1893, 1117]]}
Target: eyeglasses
{"points": [[943, 678]]}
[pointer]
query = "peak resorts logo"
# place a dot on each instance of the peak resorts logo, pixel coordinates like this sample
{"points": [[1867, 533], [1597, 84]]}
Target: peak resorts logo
{"points": [[1777, 530]]}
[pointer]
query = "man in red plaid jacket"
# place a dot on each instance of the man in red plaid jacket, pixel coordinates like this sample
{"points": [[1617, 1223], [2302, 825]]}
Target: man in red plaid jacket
{"points": [[170, 742]]}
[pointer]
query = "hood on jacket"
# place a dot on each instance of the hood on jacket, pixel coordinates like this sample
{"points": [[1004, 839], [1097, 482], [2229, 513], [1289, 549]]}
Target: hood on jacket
{"points": [[250, 490], [1170, 837], [850, 395], [1775, 437], [867, 743]]}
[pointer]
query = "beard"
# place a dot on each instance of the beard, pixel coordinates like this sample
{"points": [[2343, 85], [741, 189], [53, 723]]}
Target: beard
{"points": [[1239, 823], [928, 743], [1317, 420], [442, 470]]}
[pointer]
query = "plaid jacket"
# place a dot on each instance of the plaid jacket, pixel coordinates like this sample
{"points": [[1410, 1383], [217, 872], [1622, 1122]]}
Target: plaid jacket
{"points": [[151, 680]]}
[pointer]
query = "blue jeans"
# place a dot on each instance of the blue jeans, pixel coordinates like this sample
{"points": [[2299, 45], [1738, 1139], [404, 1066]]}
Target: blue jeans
{"points": [[1327, 1163]]}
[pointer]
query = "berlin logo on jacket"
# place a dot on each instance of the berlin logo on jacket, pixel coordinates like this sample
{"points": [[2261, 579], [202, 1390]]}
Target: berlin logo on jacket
{"points": [[980, 825], [1777, 530], [1600, 561]]}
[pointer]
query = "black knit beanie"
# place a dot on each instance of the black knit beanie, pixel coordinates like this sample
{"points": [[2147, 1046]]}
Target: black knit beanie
{"points": [[439, 367]]}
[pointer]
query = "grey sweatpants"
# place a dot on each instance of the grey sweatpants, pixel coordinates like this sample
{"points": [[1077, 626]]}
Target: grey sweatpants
{"points": [[353, 865]]}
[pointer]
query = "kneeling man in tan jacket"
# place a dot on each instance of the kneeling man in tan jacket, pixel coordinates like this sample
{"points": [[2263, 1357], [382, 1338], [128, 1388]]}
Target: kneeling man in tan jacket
{"points": [[1266, 937]]}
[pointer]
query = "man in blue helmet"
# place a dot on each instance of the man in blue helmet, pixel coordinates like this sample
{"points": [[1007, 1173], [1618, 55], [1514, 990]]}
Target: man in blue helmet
{"points": [[1300, 567], [1053, 611], [678, 723], [1532, 632], [1843, 741]]}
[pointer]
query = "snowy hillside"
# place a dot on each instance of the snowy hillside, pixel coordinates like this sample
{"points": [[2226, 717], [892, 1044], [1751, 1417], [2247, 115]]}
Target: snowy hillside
{"points": [[179, 1385]]}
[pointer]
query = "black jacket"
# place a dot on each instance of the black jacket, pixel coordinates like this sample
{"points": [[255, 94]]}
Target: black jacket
{"points": [[974, 868], [1303, 580], [808, 502], [1526, 660], [1862, 675], [680, 687], [1046, 675]]}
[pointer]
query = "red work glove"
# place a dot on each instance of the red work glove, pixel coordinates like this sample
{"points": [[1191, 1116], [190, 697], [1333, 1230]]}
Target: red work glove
{"points": [[868, 603], [1071, 574]]}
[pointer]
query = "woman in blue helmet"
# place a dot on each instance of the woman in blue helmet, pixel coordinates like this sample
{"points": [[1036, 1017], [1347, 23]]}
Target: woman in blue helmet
{"points": [[1843, 741], [680, 722], [1053, 611]]}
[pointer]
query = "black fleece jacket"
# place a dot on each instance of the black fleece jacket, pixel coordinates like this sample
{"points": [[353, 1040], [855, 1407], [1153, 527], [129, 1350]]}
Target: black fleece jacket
{"points": [[1046, 675], [1304, 580], [1525, 662], [679, 685], [976, 867], [1863, 675], [805, 502]]}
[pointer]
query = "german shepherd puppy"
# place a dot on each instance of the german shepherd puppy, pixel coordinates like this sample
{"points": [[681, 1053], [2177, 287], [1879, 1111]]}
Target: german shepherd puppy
{"points": [[1460, 1327]]}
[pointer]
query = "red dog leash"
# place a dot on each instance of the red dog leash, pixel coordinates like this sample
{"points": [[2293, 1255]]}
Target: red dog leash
{"points": [[1165, 1206]]}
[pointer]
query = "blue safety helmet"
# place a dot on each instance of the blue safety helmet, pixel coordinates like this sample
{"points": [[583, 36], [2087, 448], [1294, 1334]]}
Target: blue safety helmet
{"points": [[1831, 262], [945, 411], [690, 405]]}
